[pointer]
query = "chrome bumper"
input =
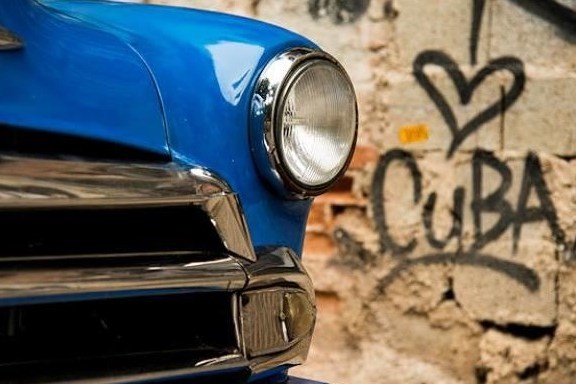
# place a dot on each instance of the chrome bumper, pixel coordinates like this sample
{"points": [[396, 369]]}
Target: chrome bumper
{"points": [[272, 296]]}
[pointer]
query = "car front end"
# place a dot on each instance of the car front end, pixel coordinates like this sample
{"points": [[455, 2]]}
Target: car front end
{"points": [[157, 169]]}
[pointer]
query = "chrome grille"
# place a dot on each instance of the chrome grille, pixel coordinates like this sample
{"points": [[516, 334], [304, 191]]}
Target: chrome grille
{"points": [[132, 204], [114, 337], [77, 230], [116, 272], [101, 282]]}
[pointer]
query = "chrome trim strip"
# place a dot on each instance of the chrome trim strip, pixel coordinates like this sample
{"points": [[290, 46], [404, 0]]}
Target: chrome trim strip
{"points": [[228, 363], [9, 41], [230, 224], [276, 268], [27, 182], [27, 281], [218, 360]]}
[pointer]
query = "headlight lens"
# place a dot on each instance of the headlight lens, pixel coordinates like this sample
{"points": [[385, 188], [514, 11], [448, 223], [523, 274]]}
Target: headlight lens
{"points": [[304, 122], [317, 123]]}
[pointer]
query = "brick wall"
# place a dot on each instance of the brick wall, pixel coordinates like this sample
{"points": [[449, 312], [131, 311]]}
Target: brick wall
{"points": [[447, 252]]}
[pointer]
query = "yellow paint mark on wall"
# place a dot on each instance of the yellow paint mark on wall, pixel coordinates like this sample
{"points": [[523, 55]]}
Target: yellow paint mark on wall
{"points": [[413, 133]]}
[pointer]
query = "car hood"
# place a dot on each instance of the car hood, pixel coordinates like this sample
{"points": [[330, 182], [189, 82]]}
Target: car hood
{"points": [[205, 66], [203, 63], [71, 77]]}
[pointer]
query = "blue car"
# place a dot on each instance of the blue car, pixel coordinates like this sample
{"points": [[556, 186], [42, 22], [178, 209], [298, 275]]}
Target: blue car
{"points": [[157, 166]]}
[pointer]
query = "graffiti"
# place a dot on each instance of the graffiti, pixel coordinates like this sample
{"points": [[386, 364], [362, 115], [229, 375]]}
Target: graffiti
{"points": [[506, 212], [492, 207], [516, 271], [347, 11], [553, 11], [386, 241], [510, 214], [457, 215], [477, 15], [466, 90], [496, 203], [390, 12], [338, 11]]}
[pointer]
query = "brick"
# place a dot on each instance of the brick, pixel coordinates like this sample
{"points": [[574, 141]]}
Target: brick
{"points": [[317, 217], [437, 24], [418, 289], [328, 302], [344, 185], [363, 156], [318, 246], [341, 199]]}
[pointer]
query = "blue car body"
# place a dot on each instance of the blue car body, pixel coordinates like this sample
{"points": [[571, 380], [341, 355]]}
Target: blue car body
{"points": [[170, 81]]}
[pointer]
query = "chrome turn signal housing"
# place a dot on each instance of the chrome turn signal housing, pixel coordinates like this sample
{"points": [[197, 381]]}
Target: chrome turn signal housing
{"points": [[304, 122], [273, 320]]}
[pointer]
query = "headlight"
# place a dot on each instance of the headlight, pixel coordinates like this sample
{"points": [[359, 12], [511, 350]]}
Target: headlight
{"points": [[304, 122]]}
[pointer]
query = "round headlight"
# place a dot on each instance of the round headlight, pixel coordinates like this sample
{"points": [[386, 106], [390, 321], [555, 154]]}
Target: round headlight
{"points": [[304, 122]]}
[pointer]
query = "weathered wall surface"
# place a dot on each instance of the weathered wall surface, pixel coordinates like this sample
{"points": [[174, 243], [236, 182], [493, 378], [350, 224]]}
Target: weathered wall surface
{"points": [[447, 252]]}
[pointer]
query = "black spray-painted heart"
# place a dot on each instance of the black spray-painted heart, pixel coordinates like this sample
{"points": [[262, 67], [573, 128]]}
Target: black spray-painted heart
{"points": [[466, 88]]}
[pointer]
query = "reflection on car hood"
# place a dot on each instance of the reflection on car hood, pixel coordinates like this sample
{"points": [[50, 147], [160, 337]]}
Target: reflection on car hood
{"points": [[74, 78], [205, 65]]}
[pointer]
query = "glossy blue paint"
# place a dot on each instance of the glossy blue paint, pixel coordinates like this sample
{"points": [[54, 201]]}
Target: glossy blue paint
{"points": [[279, 377], [205, 65], [272, 376], [73, 78]]}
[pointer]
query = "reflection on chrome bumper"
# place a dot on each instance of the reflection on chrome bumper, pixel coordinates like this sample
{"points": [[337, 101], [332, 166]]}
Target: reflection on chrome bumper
{"points": [[269, 332], [266, 294], [31, 280]]}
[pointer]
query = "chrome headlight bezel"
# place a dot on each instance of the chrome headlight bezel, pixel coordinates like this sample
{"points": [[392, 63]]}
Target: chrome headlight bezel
{"points": [[270, 93]]}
